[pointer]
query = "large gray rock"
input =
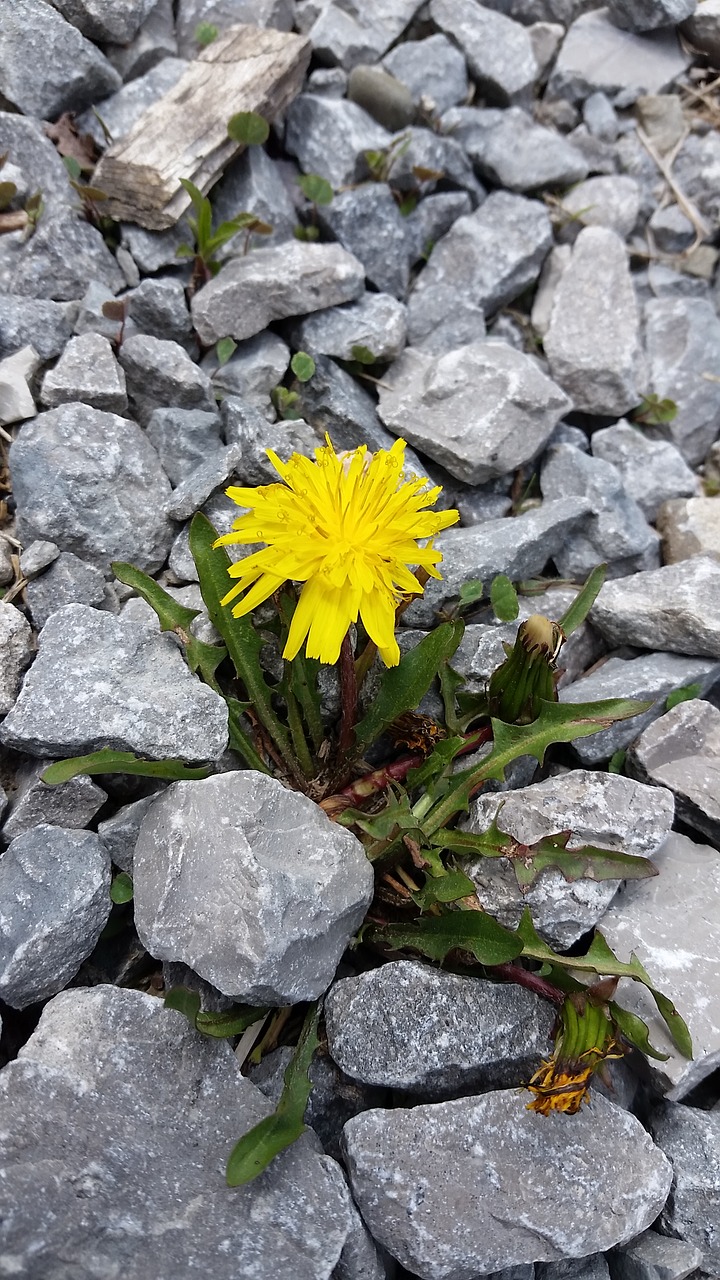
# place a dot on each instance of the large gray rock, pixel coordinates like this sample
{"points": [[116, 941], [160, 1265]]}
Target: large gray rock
{"points": [[652, 470], [46, 65], [359, 30], [366, 221], [154, 41], [680, 949], [92, 483], [673, 608], [683, 347], [226, 13], [649, 15], [88, 371], [251, 885], [486, 259], [121, 1100], [335, 402], [72, 804], [101, 22], [329, 135], [499, 51], [656, 1257], [597, 55], [68, 580], [16, 651], [691, 1141], [100, 682], [481, 411], [617, 533], [376, 321], [601, 809], [410, 1027], [60, 257], [649, 677], [509, 1174], [48, 325], [519, 548], [270, 284], [432, 218], [681, 751], [593, 342], [161, 374], [610, 200], [509, 148], [159, 307], [55, 894]]}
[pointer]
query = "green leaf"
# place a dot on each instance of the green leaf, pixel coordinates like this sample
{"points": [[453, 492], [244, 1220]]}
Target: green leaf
{"points": [[184, 1001], [109, 761], [224, 349], [447, 888], [249, 128], [205, 33], [362, 354], [121, 889], [256, 1149], [184, 251], [437, 936], [239, 740], [557, 722], [471, 592], [685, 694], [451, 682], [197, 197], [73, 167], [584, 601], [202, 658], [315, 188], [636, 1031], [303, 366], [7, 191], [310, 233], [231, 1022], [303, 677], [408, 205], [584, 863], [616, 763], [503, 598], [601, 959], [242, 641], [403, 687]]}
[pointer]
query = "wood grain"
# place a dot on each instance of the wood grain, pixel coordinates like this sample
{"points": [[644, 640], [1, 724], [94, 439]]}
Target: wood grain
{"points": [[184, 134]]}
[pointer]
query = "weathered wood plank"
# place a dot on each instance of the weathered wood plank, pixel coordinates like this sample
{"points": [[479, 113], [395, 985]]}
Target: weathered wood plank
{"points": [[184, 134]]}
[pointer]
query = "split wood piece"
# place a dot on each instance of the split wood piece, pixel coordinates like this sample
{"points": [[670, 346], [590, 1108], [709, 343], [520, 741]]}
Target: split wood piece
{"points": [[184, 134]]}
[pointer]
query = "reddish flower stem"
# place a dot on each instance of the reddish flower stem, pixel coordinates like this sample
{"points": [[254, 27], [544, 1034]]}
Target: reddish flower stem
{"points": [[532, 981]]}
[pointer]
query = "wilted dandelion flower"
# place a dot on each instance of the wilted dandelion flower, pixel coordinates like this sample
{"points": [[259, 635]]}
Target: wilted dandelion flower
{"points": [[585, 1042], [347, 528]]}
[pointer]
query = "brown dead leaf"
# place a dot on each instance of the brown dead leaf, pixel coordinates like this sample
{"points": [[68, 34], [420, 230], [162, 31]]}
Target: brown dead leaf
{"points": [[81, 146]]}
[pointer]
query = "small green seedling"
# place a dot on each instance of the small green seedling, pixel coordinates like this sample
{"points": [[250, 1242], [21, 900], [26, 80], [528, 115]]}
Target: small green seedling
{"points": [[209, 239]]}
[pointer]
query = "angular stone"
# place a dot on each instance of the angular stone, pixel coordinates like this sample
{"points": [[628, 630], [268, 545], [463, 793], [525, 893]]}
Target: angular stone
{"points": [[672, 608], [689, 527], [333, 401], [88, 371], [154, 41], [376, 321], [59, 259], [159, 307], [28, 147], [360, 30], [601, 809], [652, 470], [36, 557], [649, 15], [329, 135], [48, 324], [431, 219], [250, 885], [597, 55], [519, 548], [92, 1094], [161, 374], [433, 69], [487, 259], [16, 372], [254, 369], [683, 348], [655, 1257], [680, 949], [55, 890], [416, 149], [68, 580], [270, 284], [367, 222], [197, 487], [480, 411], [100, 22], [253, 183], [437, 327], [410, 1027], [123, 110], [690, 1139], [510, 149], [153, 250], [184, 439], [600, 117], [72, 804], [499, 51], [46, 65], [100, 682], [611, 201], [651, 676], [510, 1196], [92, 483], [617, 533], [672, 231], [593, 342], [681, 751], [119, 834], [16, 651], [703, 29], [7, 568]]}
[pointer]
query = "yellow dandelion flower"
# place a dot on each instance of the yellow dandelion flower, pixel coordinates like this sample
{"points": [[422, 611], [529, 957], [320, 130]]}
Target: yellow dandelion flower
{"points": [[347, 528]]}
